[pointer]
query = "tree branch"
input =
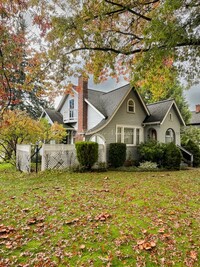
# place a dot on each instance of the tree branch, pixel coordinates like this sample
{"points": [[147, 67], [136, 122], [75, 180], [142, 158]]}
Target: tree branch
{"points": [[135, 51], [7, 81], [129, 9], [121, 10], [151, 2], [109, 49], [126, 33]]}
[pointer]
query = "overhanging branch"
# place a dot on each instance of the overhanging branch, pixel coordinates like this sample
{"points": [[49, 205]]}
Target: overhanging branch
{"points": [[135, 51], [128, 9]]}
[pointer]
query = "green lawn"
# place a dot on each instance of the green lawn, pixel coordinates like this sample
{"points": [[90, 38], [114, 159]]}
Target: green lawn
{"points": [[99, 219]]}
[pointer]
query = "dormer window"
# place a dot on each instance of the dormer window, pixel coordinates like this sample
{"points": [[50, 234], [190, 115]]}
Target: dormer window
{"points": [[71, 109], [71, 103], [131, 106], [71, 113]]}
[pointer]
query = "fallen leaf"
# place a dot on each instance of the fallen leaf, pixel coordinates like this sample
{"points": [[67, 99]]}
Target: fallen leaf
{"points": [[140, 242], [193, 255], [102, 217], [35, 220], [147, 246], [71, 222], [31, 221], [82, 246], [4, 236], [161, 230], [144, 231], [153, 244]]}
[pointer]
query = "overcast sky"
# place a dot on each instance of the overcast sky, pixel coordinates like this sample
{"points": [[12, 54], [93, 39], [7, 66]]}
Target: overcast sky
{"points": [[192, 95]]}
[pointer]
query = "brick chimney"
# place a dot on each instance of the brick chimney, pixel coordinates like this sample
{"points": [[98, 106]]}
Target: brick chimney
{"points": [[82, 90], [198, 108]]}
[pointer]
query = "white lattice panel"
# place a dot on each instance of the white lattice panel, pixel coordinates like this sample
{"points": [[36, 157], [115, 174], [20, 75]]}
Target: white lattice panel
{"points": [[58, 156], [23, 158]]}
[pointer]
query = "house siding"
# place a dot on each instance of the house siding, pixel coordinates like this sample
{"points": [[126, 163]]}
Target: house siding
{"points": [[167, 124], [93, 118], [174, 124], [66, 104], [65, 107], [122, 117]]}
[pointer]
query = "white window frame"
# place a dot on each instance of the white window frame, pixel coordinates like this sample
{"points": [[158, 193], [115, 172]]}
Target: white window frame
{"points": [[128, 105], [171, 137], [71, 110], [141, 134]]}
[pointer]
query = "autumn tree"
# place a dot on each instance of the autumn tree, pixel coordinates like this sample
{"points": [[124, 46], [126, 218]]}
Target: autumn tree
{"points": [[151, 93], [17, 127], [54, 132], [21, 64], [120, 37]]}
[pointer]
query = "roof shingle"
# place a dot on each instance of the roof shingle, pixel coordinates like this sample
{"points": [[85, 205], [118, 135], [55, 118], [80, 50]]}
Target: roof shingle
{"points": [[56, 116], [158, 111], [195, 119]]}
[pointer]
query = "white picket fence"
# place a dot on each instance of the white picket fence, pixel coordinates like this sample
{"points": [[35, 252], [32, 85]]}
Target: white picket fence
{"points": [[54, 156]]}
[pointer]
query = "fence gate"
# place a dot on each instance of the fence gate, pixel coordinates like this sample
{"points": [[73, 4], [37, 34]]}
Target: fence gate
{"points": [[23, 158]]}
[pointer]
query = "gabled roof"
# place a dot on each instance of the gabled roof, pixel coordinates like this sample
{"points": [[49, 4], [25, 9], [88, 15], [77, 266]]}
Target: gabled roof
{"points": [[108, 103], [195, 118], [94, 97], [160, 110], [56, 116], [63, 99]]}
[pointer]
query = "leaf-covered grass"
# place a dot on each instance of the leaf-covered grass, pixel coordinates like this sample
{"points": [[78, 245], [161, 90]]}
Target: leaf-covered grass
{"points": [[99, 219]]}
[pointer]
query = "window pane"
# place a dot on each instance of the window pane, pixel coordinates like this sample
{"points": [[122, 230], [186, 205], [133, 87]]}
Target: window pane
{"points": [[119, 134], [137, 136], [128, 136], [131, 106], [71, 114], [71, 104], [169, 136]]}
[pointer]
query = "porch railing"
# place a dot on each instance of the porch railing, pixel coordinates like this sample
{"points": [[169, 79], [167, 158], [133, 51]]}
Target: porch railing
{"points": [[70, 115]]}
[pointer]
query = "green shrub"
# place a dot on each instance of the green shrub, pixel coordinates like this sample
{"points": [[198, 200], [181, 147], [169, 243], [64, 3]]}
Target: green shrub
{"points": [[172, 157], [87, 153], [151, 151], [193, 148], [117, 154]]}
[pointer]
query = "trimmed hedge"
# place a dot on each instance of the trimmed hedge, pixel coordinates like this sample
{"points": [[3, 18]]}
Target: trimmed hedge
{"points": [[87, 153], [172, 157], [117, 154]]}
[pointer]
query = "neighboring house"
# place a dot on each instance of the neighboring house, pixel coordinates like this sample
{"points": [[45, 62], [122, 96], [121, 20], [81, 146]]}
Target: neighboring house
{"points": [[195, 118], [119, 115]]}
